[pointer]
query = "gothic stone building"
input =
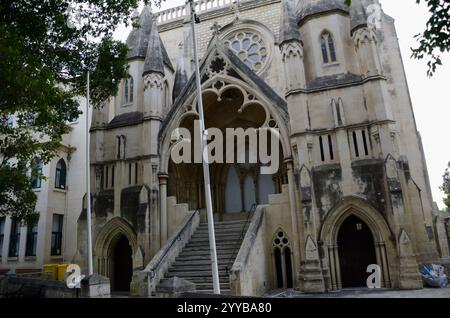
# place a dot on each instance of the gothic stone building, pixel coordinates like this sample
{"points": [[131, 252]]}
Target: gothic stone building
{"points": [[352, 189]]}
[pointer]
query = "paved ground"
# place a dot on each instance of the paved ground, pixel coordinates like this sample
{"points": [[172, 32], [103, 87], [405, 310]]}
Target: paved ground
{"points": [[366, 293]]}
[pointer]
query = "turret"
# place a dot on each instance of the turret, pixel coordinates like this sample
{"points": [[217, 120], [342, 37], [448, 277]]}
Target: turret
{"points": [[365, 40], [153, 74], [181, 76], [291, 48]]}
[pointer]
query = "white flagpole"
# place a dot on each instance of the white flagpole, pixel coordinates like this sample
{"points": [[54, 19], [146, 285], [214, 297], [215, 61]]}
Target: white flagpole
{"points": [[208, 197], [88, 183]]}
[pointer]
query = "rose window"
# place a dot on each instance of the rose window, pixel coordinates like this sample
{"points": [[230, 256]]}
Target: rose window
{"points": [[250, 48]]}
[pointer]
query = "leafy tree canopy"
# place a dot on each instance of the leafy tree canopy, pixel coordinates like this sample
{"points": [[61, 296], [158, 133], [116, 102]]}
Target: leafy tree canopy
{"points": [[43, 66]]}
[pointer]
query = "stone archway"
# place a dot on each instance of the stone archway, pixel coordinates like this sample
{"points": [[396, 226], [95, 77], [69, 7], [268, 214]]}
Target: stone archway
{"points": [[228, 104], [111, 237], [360, 209], [356, 251]]}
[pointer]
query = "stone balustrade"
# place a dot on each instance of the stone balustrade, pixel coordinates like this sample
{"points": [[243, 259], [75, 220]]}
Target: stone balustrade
{"points": [[201, 6]]}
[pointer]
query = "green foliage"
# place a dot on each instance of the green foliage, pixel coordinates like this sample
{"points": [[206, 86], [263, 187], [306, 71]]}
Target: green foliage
{"points": [[43, 66], [446, 187], [435, 40]]}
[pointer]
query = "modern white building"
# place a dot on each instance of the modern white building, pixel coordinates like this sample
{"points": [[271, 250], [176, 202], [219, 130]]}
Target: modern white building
{"points": [[59, 203]]}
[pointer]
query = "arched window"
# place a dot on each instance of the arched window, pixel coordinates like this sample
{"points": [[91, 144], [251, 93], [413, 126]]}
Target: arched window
{"points": [[129, 90], [282, 261], [328, 48], [36, 175], [167, 99], [60, 177]]}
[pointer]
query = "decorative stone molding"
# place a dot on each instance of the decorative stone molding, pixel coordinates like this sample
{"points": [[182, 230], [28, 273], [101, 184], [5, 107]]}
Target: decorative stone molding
{"points": [[153, 80]]}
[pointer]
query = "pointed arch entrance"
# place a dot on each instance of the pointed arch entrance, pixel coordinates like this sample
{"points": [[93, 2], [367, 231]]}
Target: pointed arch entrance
{"points": [[230, 102], [345, 257], [356, 251], [114, 249]]}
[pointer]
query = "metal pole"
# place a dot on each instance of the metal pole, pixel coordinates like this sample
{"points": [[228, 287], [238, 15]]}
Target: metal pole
{"points": [[88, 183], [208, 198]]}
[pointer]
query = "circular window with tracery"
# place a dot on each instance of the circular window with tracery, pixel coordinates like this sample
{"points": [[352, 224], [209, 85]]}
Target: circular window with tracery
{"points": [[249, 47]]}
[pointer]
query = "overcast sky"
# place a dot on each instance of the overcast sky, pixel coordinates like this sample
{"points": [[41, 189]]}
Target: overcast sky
{"points": [[429, 96]]}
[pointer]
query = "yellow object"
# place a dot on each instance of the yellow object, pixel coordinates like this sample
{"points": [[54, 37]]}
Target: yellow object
{"points": [[52, 269], [62, 271]]}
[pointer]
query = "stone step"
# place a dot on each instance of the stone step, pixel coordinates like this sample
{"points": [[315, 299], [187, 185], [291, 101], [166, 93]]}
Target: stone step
{"points": [[198, 273], [226, 292], [206, 262], [236, 227], [206, 253], [232, 229], [221, 246], [223, 223], [226, 234], [219, 241], [202, 280], [194, 262]]}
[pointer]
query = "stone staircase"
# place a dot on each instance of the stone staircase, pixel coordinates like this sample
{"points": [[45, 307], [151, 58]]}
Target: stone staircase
{"points": [[194, 262]]}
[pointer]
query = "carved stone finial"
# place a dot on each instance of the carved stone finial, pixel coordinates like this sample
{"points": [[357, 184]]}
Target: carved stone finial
{"points": [[235, 8], [216, 28]]}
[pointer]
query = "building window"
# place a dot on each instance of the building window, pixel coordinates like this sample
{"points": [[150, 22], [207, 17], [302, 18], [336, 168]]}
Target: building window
{"points": [[361, 146], [106, 177], [130, 166], [14, 238], [328, 48], [32, 234], [129, 90], [250, 48], [355, 144], [136, 172], [282, 261], [322, 152], [57, 227], [61, 172], [2, 234], [366, 146], [36, 173], [330, 147], [112, 176], [338, 112], [326, 148]]}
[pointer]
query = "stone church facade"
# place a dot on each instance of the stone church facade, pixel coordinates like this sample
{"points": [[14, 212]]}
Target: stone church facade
{"points": [[352, 189]]}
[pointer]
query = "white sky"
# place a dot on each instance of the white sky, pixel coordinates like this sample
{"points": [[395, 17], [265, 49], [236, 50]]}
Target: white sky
{"points": [[429, 96]]}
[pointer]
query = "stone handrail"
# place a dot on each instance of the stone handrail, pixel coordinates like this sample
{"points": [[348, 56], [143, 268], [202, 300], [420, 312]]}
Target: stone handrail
{"points": [[239, 274], [201, 6], [160, 263]]}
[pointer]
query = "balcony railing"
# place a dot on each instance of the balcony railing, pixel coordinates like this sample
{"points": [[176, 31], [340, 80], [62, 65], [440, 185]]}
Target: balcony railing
{"points": [[201, 6]]}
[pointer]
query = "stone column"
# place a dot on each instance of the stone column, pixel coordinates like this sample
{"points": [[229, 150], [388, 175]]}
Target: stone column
{"points": [[293, 208], [163, 178]]}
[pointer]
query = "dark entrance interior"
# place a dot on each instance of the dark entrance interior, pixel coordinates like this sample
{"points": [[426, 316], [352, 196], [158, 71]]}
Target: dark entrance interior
{"points": [[356, 252], [123, 265]]}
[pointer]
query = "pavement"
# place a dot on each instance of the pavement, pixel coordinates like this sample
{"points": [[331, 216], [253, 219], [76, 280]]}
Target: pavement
{"points": [[366, 293]]}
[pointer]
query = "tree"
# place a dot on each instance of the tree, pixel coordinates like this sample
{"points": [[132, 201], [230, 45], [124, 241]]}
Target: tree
{"points": [[43, 66], [435, 40], [446, 187]]}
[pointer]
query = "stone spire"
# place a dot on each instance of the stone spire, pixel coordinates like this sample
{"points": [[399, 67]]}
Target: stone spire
{"points": [[307, 8], [137, 41], [154, 60], [358, 16], [181, 76], [289, 30]]}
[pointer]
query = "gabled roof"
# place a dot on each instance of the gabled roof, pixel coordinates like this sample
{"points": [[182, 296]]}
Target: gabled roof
{"points": [[139, 38], [242, 71], [289, 30], [154, 60]]}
